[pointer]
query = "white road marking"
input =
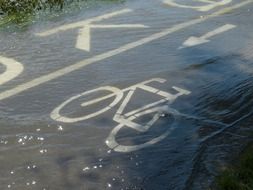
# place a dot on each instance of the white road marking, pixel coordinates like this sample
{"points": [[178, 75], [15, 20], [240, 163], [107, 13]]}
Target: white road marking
{"points": [[66, 70], [56, 115], [83, 23], [194, 41], [84, 36], [12, 70], [127, 119], [112, 143], [210, 4]]}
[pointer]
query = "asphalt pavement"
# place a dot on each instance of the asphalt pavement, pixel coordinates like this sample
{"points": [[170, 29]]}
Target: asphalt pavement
{"points": [[140, 95]]}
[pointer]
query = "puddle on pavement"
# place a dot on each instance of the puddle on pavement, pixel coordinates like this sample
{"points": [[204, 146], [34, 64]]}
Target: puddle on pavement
{"points": [[213, 121]]}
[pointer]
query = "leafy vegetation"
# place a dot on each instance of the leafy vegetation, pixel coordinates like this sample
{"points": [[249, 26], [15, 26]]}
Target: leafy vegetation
{"points": [[27, 6], [239, 176], [23, 11]]}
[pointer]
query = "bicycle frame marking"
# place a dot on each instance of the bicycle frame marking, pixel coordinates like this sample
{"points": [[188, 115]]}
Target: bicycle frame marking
{"points": [[210, 4], [127, 119], [13, 69]]}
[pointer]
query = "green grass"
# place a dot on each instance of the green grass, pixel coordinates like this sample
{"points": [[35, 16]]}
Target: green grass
{"points": [[240, 175], [11, 7], [22, 12]]}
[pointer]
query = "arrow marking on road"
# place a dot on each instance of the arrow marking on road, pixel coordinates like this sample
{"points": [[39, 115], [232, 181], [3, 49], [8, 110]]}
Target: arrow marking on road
{"points": [[194, 41]]}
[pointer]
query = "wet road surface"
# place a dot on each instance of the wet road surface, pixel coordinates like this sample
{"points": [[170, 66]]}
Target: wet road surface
{"points": [[140, 95]]}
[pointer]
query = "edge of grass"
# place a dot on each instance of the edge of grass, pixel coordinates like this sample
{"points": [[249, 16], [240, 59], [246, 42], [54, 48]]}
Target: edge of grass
{"points": [[239, 175], [27, 12]]}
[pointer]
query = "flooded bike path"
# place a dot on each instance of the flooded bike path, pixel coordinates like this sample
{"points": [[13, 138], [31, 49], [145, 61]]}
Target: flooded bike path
{"points": [[155, 103]]}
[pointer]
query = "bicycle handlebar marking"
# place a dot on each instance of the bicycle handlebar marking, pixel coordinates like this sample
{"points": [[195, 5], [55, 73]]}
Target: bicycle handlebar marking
{"points": [[127, 119]]}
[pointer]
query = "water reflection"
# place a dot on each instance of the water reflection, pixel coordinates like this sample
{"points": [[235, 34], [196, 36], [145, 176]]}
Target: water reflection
{"points": [[215, 120]]}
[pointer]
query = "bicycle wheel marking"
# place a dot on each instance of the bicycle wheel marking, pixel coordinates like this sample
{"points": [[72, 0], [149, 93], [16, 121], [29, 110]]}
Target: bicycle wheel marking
{"points": [[112, 143], [12, 69], [127, 119], [210, 4], [115, 91]]}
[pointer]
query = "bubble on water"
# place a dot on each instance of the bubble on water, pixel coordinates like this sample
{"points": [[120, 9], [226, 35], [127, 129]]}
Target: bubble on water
{"points": [[86, 168], [60, 128], [38, 129], [109, 185], [41, 138], [12, 172], [33, 182], [163, 115], [42, 151]]}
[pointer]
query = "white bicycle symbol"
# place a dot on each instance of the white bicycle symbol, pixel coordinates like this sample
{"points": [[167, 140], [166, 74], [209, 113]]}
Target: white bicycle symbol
{"points": [[126, 119], [211, 4]]}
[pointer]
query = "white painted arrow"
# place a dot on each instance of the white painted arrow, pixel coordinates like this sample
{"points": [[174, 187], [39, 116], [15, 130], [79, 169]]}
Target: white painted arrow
{"points": [[194, 41]]}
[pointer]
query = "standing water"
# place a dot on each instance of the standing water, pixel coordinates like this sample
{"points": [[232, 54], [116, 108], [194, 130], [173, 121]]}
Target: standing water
{"points": [[138, 94]]}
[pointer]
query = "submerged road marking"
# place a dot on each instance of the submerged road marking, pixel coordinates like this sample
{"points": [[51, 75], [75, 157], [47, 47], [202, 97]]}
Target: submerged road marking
{"points": [[194, 41], [61, 72], [203, 8], [127, 119], [13, 69], [83, 39]]}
